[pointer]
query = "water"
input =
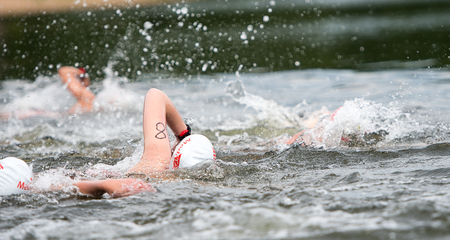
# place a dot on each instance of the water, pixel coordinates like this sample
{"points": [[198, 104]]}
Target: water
{"points": [[393, 188], [397, 188], [219, 36]]}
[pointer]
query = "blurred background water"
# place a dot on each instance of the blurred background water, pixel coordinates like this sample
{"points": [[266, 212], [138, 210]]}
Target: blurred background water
{"points": [[218, 36], [247, 74]]}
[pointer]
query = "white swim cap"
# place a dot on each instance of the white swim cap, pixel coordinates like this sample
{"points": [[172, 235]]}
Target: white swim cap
{"points": [[15, 176], [192, 150]]}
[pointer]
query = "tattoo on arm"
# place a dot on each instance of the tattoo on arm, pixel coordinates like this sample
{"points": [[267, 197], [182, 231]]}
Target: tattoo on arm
{"points": [[161, 128]]}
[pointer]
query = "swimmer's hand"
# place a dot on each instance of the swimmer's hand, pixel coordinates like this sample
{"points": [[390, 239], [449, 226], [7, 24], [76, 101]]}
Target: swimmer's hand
{"points": [[114, 187]]}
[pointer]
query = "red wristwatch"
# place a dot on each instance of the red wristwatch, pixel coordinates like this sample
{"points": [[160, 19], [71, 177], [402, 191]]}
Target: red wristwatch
{"points": [[184, 133]]}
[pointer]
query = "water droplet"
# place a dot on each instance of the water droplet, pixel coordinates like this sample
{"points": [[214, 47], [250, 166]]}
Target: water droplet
{"points": [[205, 67], [243, 36], [265, 18], [148, 25]]}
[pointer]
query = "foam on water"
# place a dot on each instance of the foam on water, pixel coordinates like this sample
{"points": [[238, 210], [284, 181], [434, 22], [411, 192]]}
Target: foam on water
{"points": [[45, 93], [52, 180], [101, 170], [115, 110], [268, 111], [113, 97], [359, 117]]}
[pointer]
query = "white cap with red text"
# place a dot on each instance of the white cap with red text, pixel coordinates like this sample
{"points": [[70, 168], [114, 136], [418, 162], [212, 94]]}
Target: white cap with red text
{"points": [[191, 150], [15, 176]]}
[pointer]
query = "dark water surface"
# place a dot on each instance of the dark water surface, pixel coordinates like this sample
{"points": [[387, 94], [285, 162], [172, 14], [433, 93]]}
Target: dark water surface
{"points": [[219, 36], [248, 98]]}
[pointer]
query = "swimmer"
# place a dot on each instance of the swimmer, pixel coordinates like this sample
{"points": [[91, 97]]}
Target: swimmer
{"points": [[315, 134], [77, 82], [159, 113], [16, 177]]}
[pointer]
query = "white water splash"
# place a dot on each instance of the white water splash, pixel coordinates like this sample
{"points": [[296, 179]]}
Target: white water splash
{"points": [[102, 170], [113, 97], [268, 111], [53, 180], [45, 93], [359, 117]]}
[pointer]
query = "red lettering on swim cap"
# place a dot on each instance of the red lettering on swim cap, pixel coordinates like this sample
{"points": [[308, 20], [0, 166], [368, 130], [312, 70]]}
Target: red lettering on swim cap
{"points": [[23, 186], [176, 161], [214, 154], [1, 167]]}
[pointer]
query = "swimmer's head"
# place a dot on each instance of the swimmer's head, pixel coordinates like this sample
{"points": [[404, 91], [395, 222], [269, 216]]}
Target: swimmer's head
{"points": [[84, 77], [192, 150], [15, 177]]}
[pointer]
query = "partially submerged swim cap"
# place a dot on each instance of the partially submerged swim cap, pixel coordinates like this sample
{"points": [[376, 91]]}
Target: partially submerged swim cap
{"points": [[192, 150], [83, 74], [15, 176], [83, 71]]}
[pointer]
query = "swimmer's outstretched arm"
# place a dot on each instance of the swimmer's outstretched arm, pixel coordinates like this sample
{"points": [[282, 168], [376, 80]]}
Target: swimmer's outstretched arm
{"points": [[77, 86], [27, 114], [114, 187], [159, 112], [295, 137]]}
